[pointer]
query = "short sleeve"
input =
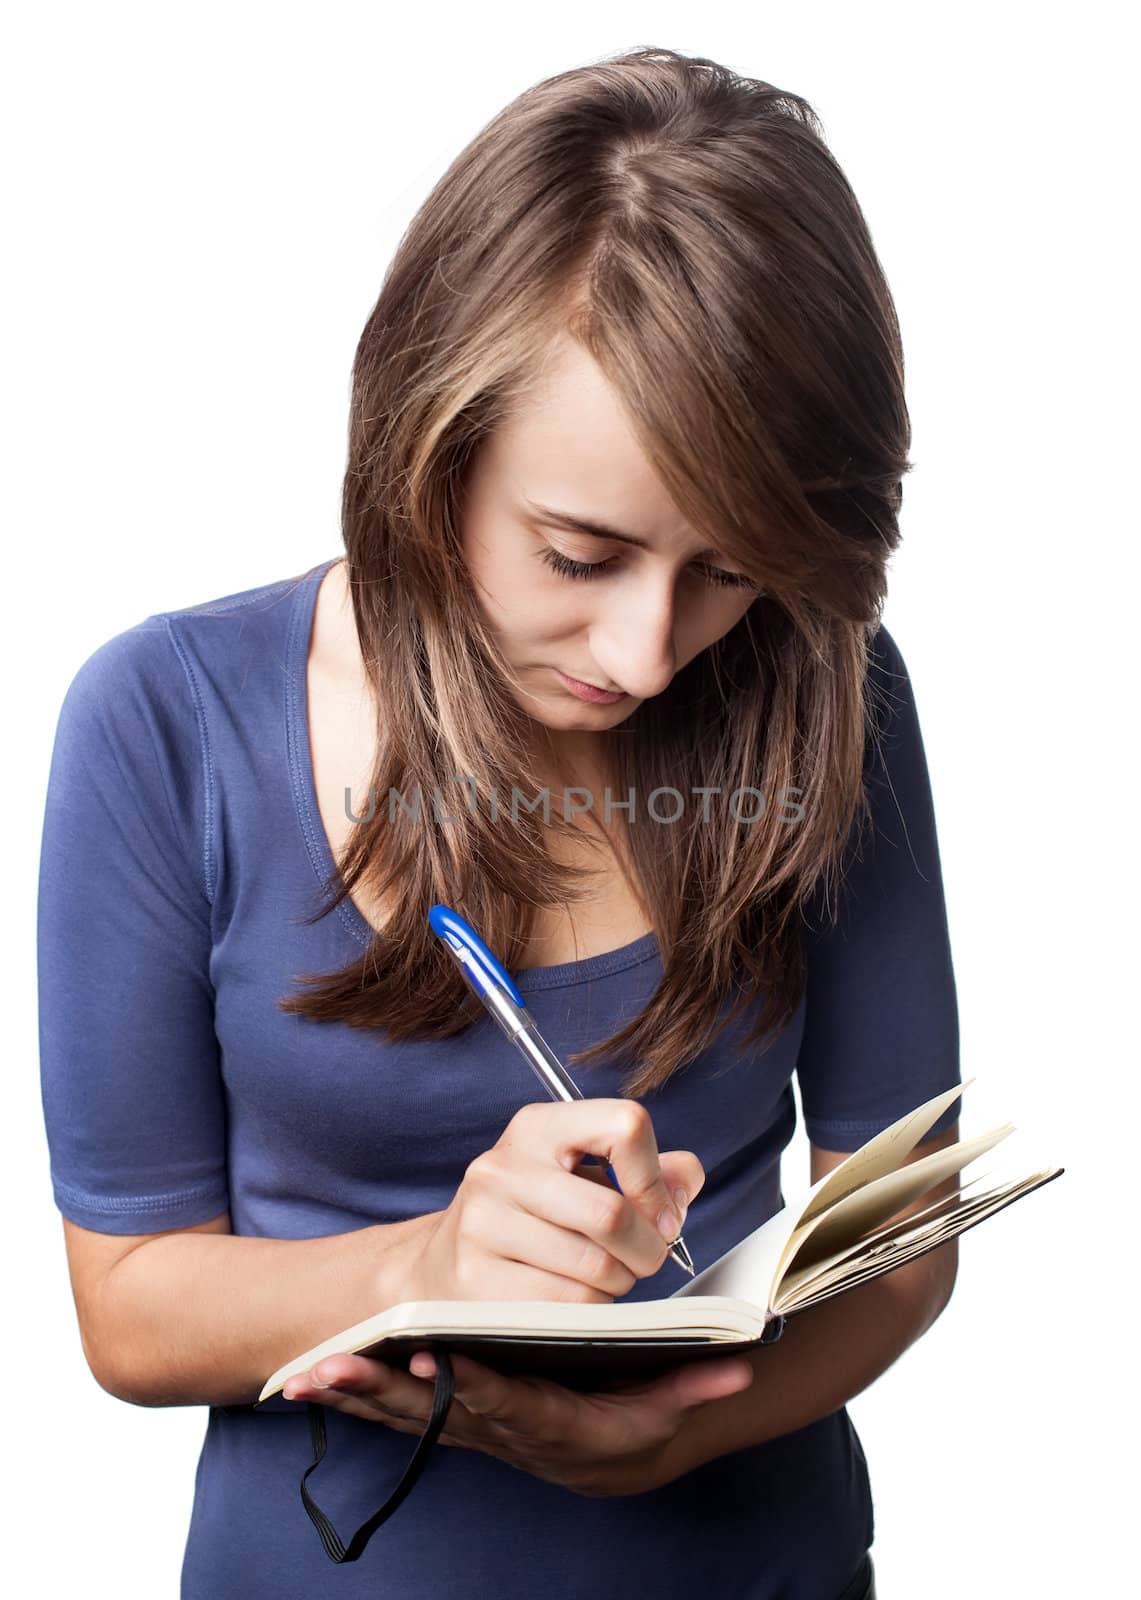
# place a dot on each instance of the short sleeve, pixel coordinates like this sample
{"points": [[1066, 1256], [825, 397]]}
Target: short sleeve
{"points": [[129, 1061], [881, 1031]]}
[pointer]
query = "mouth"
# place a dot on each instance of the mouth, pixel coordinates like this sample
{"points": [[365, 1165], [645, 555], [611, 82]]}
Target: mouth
{"points": [[591, 692]]}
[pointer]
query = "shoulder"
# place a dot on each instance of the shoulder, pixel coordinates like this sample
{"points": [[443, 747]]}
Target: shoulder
{"points": [[167, 660], [266, 599], [885, 658], [888, 691], [151, 716], [894, 739]]}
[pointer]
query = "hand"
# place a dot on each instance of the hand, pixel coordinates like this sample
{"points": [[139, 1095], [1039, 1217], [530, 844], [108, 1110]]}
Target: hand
{"points": [[617, 1443], [527, 1223]]}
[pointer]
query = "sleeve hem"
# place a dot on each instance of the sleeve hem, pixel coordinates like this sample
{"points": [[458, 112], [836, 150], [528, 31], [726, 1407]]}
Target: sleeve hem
{"points": [[143, 1213], [840, 1134]]}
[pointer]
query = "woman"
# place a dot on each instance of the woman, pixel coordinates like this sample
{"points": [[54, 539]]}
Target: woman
{"points": [[644, 300]]}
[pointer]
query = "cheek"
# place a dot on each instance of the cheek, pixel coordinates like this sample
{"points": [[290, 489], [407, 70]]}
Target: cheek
{"points": [[524, 601]]}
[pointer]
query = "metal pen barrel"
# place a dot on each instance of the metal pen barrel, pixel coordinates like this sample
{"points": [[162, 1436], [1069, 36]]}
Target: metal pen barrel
{"points": [[544, 1063]]}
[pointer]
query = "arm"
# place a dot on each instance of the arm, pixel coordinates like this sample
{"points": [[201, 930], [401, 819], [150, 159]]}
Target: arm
{"points": [[202, 1318], [832, 1351], [173, 1310]]}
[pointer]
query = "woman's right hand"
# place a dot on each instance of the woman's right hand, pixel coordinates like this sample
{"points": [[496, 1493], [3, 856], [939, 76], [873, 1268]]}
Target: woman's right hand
{"points": [[525, 1225]]}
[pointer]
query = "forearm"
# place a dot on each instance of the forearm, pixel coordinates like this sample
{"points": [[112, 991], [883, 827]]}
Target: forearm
{"points": [[203, 1319], [824, 1357]]}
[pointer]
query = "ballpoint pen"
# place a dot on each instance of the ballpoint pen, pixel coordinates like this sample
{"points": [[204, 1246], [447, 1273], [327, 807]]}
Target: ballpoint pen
{"points": [[503, 1000]]}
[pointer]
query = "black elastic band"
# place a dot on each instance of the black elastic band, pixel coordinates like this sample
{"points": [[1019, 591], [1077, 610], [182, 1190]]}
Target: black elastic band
{"points": [[441, 1404]]}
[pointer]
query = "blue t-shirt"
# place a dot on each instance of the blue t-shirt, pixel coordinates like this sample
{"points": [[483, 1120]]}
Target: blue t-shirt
{"points": [[182, 850]]}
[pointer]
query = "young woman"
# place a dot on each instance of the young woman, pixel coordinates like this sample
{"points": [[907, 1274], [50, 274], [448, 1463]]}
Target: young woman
{"points": [[601, 667]]}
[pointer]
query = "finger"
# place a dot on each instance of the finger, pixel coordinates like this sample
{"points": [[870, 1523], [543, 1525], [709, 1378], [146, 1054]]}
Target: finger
{"points": [[699, 1381], [371, 1409], [682, 1170], [527, 1406], [547, 1223], [617, 1129], [364, 1387], [593, 1210], [689, 1384], [596, 1174]]}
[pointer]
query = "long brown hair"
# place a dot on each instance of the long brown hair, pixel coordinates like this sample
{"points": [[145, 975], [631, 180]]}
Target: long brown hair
{"points": [[691, 229]]}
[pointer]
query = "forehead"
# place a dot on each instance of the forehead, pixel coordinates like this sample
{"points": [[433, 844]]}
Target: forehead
{"points": [[570, 443]]}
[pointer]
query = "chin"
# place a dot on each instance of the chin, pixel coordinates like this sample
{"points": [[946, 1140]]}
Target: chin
{"points": [[593, 719], [554, 712]]}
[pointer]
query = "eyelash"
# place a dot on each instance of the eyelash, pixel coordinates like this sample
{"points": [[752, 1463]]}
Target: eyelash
{"points": [[591, 569]]}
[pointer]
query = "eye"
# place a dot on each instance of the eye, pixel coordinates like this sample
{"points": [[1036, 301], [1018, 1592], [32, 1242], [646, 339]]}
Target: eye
{"points": [[591, 569], [573, 569]]}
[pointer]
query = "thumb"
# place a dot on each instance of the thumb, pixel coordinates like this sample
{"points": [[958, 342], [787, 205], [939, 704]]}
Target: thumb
{"points": [[699, 1381], [682, 1170], [694, 1383]]}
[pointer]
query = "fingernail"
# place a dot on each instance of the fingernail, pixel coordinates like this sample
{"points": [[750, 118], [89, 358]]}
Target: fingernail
{"points": [[669, 1224], [318, 1383], [682, 1202]]}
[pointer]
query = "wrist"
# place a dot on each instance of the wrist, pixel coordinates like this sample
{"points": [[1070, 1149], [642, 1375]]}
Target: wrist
{"points": [[398, 1277]]}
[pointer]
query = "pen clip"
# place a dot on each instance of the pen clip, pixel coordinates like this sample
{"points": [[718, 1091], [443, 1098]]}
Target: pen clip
{"points": [[472, 954]]}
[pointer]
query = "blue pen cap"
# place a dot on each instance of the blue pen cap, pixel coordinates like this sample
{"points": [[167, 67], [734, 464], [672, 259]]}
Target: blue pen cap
{"points": [[466, 945]]}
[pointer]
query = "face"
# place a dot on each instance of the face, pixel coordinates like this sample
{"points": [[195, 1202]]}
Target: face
{"points": [[622, 614]]}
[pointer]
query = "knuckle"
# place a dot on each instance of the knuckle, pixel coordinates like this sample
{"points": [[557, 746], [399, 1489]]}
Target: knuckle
{"points": [[478, 1171], [525, 1119], [466, 1209], [594, 1264], [577, 1293], [607, 1210], [632, 1119], [489, 1174]]}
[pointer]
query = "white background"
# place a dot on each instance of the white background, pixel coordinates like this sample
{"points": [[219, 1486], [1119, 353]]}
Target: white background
{"points": [[200, 203]]}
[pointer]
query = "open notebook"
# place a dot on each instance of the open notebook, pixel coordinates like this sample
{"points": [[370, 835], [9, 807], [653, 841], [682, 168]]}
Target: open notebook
{"points": [[844, 1230]]}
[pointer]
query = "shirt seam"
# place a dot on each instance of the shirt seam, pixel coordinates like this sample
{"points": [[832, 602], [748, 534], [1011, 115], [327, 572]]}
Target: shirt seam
{"points": [[207, 760], [604, 965], [112, 1204]]}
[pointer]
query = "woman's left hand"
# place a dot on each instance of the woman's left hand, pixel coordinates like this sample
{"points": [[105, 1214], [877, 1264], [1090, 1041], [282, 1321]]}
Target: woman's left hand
{"points": [[597, 1444]]}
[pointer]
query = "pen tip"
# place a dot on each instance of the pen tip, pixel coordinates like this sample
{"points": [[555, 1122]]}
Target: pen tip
{"points": [[682, 1256]]}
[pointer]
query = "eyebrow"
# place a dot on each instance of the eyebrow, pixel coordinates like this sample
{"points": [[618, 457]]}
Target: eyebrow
{"points": [[596, 530]]}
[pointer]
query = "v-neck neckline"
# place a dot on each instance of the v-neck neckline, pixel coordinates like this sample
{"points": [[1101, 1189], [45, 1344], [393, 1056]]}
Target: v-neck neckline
{"points": [[304, 784]]}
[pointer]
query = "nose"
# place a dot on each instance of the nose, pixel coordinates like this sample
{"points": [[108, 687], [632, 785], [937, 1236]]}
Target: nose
{"points": [[633, 641]]}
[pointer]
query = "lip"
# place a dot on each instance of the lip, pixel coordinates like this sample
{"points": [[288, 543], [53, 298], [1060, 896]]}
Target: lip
{"points": [[588, 692]]}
